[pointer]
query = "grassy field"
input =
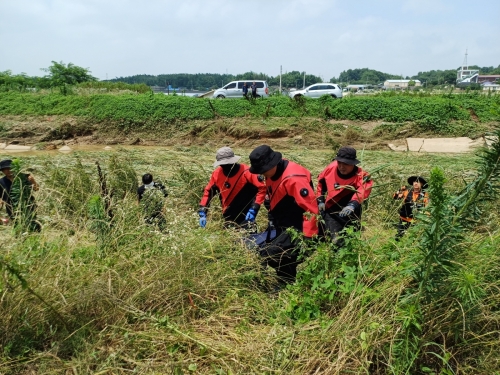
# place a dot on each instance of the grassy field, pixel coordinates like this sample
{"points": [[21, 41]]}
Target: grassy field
{"points": [[129, 112], [90, 295]]}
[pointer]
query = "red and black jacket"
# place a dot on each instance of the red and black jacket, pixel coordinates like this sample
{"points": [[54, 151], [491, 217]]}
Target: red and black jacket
{"points": [[292, 203], [336, 190], [238, 191]]}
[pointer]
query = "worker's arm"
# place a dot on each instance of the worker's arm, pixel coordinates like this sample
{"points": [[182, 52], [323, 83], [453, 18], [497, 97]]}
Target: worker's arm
{"points": [[210, 191], [401, 193], [261, 189], [304, 196]]}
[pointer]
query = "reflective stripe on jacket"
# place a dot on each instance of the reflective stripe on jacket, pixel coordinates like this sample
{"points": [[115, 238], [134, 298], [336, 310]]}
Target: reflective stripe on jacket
{"points": [[411, 201]]}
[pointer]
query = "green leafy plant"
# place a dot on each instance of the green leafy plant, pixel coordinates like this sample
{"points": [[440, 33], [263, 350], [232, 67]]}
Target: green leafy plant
{"points": [[330, 275], [441, 283]]}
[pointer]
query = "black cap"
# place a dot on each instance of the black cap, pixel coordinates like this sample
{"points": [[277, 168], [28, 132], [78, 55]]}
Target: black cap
{"points": [[263, 158], [5, 164], [420, 179], [347, 155]]}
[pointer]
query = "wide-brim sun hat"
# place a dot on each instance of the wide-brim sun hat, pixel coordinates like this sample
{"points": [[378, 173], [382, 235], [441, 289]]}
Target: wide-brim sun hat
{"points": [[5, 164], [422, 180], [263, 158], [225, 155], [347, 155]]}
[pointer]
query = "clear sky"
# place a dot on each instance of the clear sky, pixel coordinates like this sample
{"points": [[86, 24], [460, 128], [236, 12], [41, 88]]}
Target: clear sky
{"points": [[116, 38]]}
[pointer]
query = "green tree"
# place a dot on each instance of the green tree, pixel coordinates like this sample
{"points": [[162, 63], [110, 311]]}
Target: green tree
{"points": [[61, 74], [436, 77], [364, 75]]}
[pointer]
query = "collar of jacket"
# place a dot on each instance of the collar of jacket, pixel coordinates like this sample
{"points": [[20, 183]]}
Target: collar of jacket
{"points": [[283, 163], [230, 170], [346, 176]]}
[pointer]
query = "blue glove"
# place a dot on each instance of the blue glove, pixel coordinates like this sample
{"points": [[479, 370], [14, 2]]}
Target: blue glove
{"points": [[251, 214], [203, 219], [346, 211]]}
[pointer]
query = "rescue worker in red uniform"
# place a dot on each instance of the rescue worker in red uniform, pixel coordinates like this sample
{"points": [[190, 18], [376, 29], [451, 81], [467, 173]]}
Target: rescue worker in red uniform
{"points": [[240, 192], [291, 203], [414, 199], [342, 188]]}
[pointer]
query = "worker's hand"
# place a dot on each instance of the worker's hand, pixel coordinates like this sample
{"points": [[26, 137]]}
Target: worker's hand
{"points": [[346, 211], [251, 214], [321, 206], [399, 194], [34, 184], [203, 218]]}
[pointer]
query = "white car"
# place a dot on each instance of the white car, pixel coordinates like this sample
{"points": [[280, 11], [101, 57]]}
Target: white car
{"points": [[235, 90], [317, 90]]}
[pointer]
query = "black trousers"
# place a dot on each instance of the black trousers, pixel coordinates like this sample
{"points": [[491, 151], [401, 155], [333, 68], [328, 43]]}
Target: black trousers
{"points": [[335, 223], [281, 253], [402, 228]]}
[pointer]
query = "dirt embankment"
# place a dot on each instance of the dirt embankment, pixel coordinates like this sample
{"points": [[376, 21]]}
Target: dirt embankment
{"points": [[49, 132]]}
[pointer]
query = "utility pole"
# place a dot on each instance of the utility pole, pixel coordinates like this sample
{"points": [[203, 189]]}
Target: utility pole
{"points": [[280, 77], [304, 84]]}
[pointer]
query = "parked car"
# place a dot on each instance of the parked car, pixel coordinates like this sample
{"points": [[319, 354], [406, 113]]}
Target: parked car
{"points": [[234, 89], [317, 90]]}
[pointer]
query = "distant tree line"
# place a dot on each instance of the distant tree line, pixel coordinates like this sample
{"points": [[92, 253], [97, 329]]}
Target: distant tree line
{"points": [[363, 76], [439, 77], [294, 78], [206, 81], [60, 75]]}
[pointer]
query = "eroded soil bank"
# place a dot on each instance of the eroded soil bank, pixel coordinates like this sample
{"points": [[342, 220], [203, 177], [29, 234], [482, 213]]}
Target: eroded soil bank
{"points": [[51, 132]]}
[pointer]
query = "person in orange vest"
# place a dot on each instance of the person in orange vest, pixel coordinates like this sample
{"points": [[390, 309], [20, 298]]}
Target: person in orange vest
{"points": [[414, 199], [291, 203], [342, 188], [241, 193]]}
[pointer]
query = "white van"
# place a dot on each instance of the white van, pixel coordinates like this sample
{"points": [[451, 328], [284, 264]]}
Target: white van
{"points": [[234, 89]]}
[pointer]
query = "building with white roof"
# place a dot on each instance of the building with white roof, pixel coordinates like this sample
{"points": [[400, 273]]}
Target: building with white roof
{"points": [[491, 86], [400, 83]]}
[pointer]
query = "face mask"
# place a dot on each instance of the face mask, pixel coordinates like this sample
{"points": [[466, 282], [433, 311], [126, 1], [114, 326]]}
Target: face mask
{"points": [[227, 168]]}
